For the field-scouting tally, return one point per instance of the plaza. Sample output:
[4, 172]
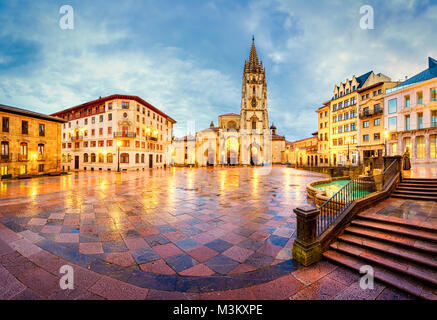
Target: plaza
[176, 233]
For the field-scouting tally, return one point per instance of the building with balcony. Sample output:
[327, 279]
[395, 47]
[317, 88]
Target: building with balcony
[324, 130]
[371, 121]
[30, 142]
[411, 116]
[345, 126]
[118, 132]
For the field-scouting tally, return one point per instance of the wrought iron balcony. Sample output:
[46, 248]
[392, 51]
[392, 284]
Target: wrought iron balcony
[151, 138]
[23, 157]
[6, 157]
[365, 114]
[76, 138]
[124, 134]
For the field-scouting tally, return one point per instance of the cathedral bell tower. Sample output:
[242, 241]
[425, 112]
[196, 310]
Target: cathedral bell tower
[254, 115]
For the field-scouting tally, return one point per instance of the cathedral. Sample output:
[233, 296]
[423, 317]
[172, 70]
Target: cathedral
[238, 139]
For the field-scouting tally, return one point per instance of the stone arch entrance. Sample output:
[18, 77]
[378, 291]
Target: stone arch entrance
[232, 150]
[255, 152]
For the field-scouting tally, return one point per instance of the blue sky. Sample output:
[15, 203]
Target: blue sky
[186, 57]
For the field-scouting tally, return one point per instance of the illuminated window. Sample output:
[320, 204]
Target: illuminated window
[420, 147]
[433, 142]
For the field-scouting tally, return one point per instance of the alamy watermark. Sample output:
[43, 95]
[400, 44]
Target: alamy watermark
[67, 19]
[67, 280]
[367, 281]
[367, 21]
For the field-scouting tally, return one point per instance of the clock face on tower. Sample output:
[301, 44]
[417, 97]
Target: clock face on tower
[254, 103]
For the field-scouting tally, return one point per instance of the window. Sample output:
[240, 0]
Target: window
[321, 114]
[407, 144]
[109, 158]
[109, 130]
[109, 116]
[407, 123]
[24, 127]
[407, 101]
[109, 143]
[392, 105]
[353, 127]
[93, 120]
[365, 124]
[376, 136]
[392, 123]
[41, 167]
[254, 125]
[142, 158]
[5, 150]
[125, 105]
[433, 142]
[137, 158]
[375, 93]
[352, 101]
[124, 158]
[23, 151]
[93, 157]
[434, 118]
[377, 108]
[86, 121]
[394, 149]
[85, 157]
[420, 147]
[434, 94]
[420, 120]
[41, 149]
[101, 158]
[100, 131]
[377, 122]
[419, 97]
[366, 137]
[4, 170]
[110, 106]
[5, 124]
[101, 118]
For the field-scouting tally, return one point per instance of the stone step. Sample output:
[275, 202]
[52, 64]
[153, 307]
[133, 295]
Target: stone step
[413, 197]
[403, 230]
[392, 249]
[398, 221]
[416, 192]
[432, 190]
[418, 180]
[419, 272]
[416, 185]
[401, 240]
[393, 279]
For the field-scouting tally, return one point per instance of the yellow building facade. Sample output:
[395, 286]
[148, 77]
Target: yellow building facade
[345, 126]
[324, 130]
[30, 142]
[371, 116]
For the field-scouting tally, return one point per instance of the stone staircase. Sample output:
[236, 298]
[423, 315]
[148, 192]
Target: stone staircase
[402, 253]
[416, 189]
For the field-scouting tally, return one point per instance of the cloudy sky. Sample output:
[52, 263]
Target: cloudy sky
[186, 57]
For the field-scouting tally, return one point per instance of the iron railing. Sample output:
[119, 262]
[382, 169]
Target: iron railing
[339, 202]
[124, 134]
[391, 171]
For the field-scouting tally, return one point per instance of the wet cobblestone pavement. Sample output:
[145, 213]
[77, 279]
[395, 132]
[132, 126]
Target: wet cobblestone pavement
[173, 233]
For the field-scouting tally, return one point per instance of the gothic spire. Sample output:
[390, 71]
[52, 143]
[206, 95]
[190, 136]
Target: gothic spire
[253, 64]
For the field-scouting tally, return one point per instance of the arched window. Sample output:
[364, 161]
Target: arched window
[109, 158]
[254, 125]
[64, 158]
[142, 158]
[137, 158]
[101, 158]
[124, 158]
[93, 157]
[23, 150]
[5, 150]
[85, 157]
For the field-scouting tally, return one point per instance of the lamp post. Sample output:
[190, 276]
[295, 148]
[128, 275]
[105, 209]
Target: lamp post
[297, 151]
[118, 155]
[348, 140]
[385, 142]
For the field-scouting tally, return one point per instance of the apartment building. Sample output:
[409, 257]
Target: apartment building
[345, 129]
[324, 130]
[30, 142]
[411, 116]
[117, 132]
[371, 118]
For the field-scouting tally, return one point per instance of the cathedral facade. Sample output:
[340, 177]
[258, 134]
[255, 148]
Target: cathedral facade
[238, 139]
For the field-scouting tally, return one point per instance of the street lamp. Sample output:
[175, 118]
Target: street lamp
[118, 155]
[297, 150]
[385, 142]
[348, 140]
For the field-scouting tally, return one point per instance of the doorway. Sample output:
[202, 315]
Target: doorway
[76, 162]
[150, 161]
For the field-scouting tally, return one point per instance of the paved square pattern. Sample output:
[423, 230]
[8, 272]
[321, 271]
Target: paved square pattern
[155, 227]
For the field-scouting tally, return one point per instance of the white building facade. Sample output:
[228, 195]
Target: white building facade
[115, 133]
[411, 117]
